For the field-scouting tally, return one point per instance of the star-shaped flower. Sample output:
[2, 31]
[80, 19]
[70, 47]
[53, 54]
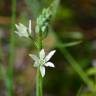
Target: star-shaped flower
[41, 61]
[22, 30]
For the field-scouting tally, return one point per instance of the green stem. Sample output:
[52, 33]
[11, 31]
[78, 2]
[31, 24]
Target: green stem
[9, 81]
[39, 83]
[39, 79]
[1, 51]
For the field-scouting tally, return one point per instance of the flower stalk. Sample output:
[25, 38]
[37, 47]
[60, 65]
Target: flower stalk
[41, 28]
[39, 83]
[39, 79]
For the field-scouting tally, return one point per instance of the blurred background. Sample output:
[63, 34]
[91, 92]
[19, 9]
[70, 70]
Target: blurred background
[75, 21]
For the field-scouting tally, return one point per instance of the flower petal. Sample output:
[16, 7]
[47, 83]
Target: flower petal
[18, 33]
[36, 64]
[42, 70]
[34, 57]
[47, 58]
[42, 54]
[49, 64]
[21, 30]
[17, 26]
[29, 27]
[22, 26]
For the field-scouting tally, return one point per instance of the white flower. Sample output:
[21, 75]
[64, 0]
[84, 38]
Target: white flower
[42, 60]
[22, 30]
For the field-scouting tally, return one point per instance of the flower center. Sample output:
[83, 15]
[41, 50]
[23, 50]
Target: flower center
[41, 62]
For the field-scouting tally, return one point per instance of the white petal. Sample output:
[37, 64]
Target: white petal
[18, 33]
[42, 54]
[30, 26]
[17, 26]
[21, 30]
[21, 26]
[47, 58]
[34, 57]
[21, 34]
[49, 64]
[36, 64]
[42, 70]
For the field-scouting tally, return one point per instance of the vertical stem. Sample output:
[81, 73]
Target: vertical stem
[9, 81]
[39, 79]
[38, 83]
[1, 52]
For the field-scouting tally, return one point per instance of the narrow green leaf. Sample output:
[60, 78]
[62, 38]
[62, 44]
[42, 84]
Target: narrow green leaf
[91, 71]
[69, 44]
